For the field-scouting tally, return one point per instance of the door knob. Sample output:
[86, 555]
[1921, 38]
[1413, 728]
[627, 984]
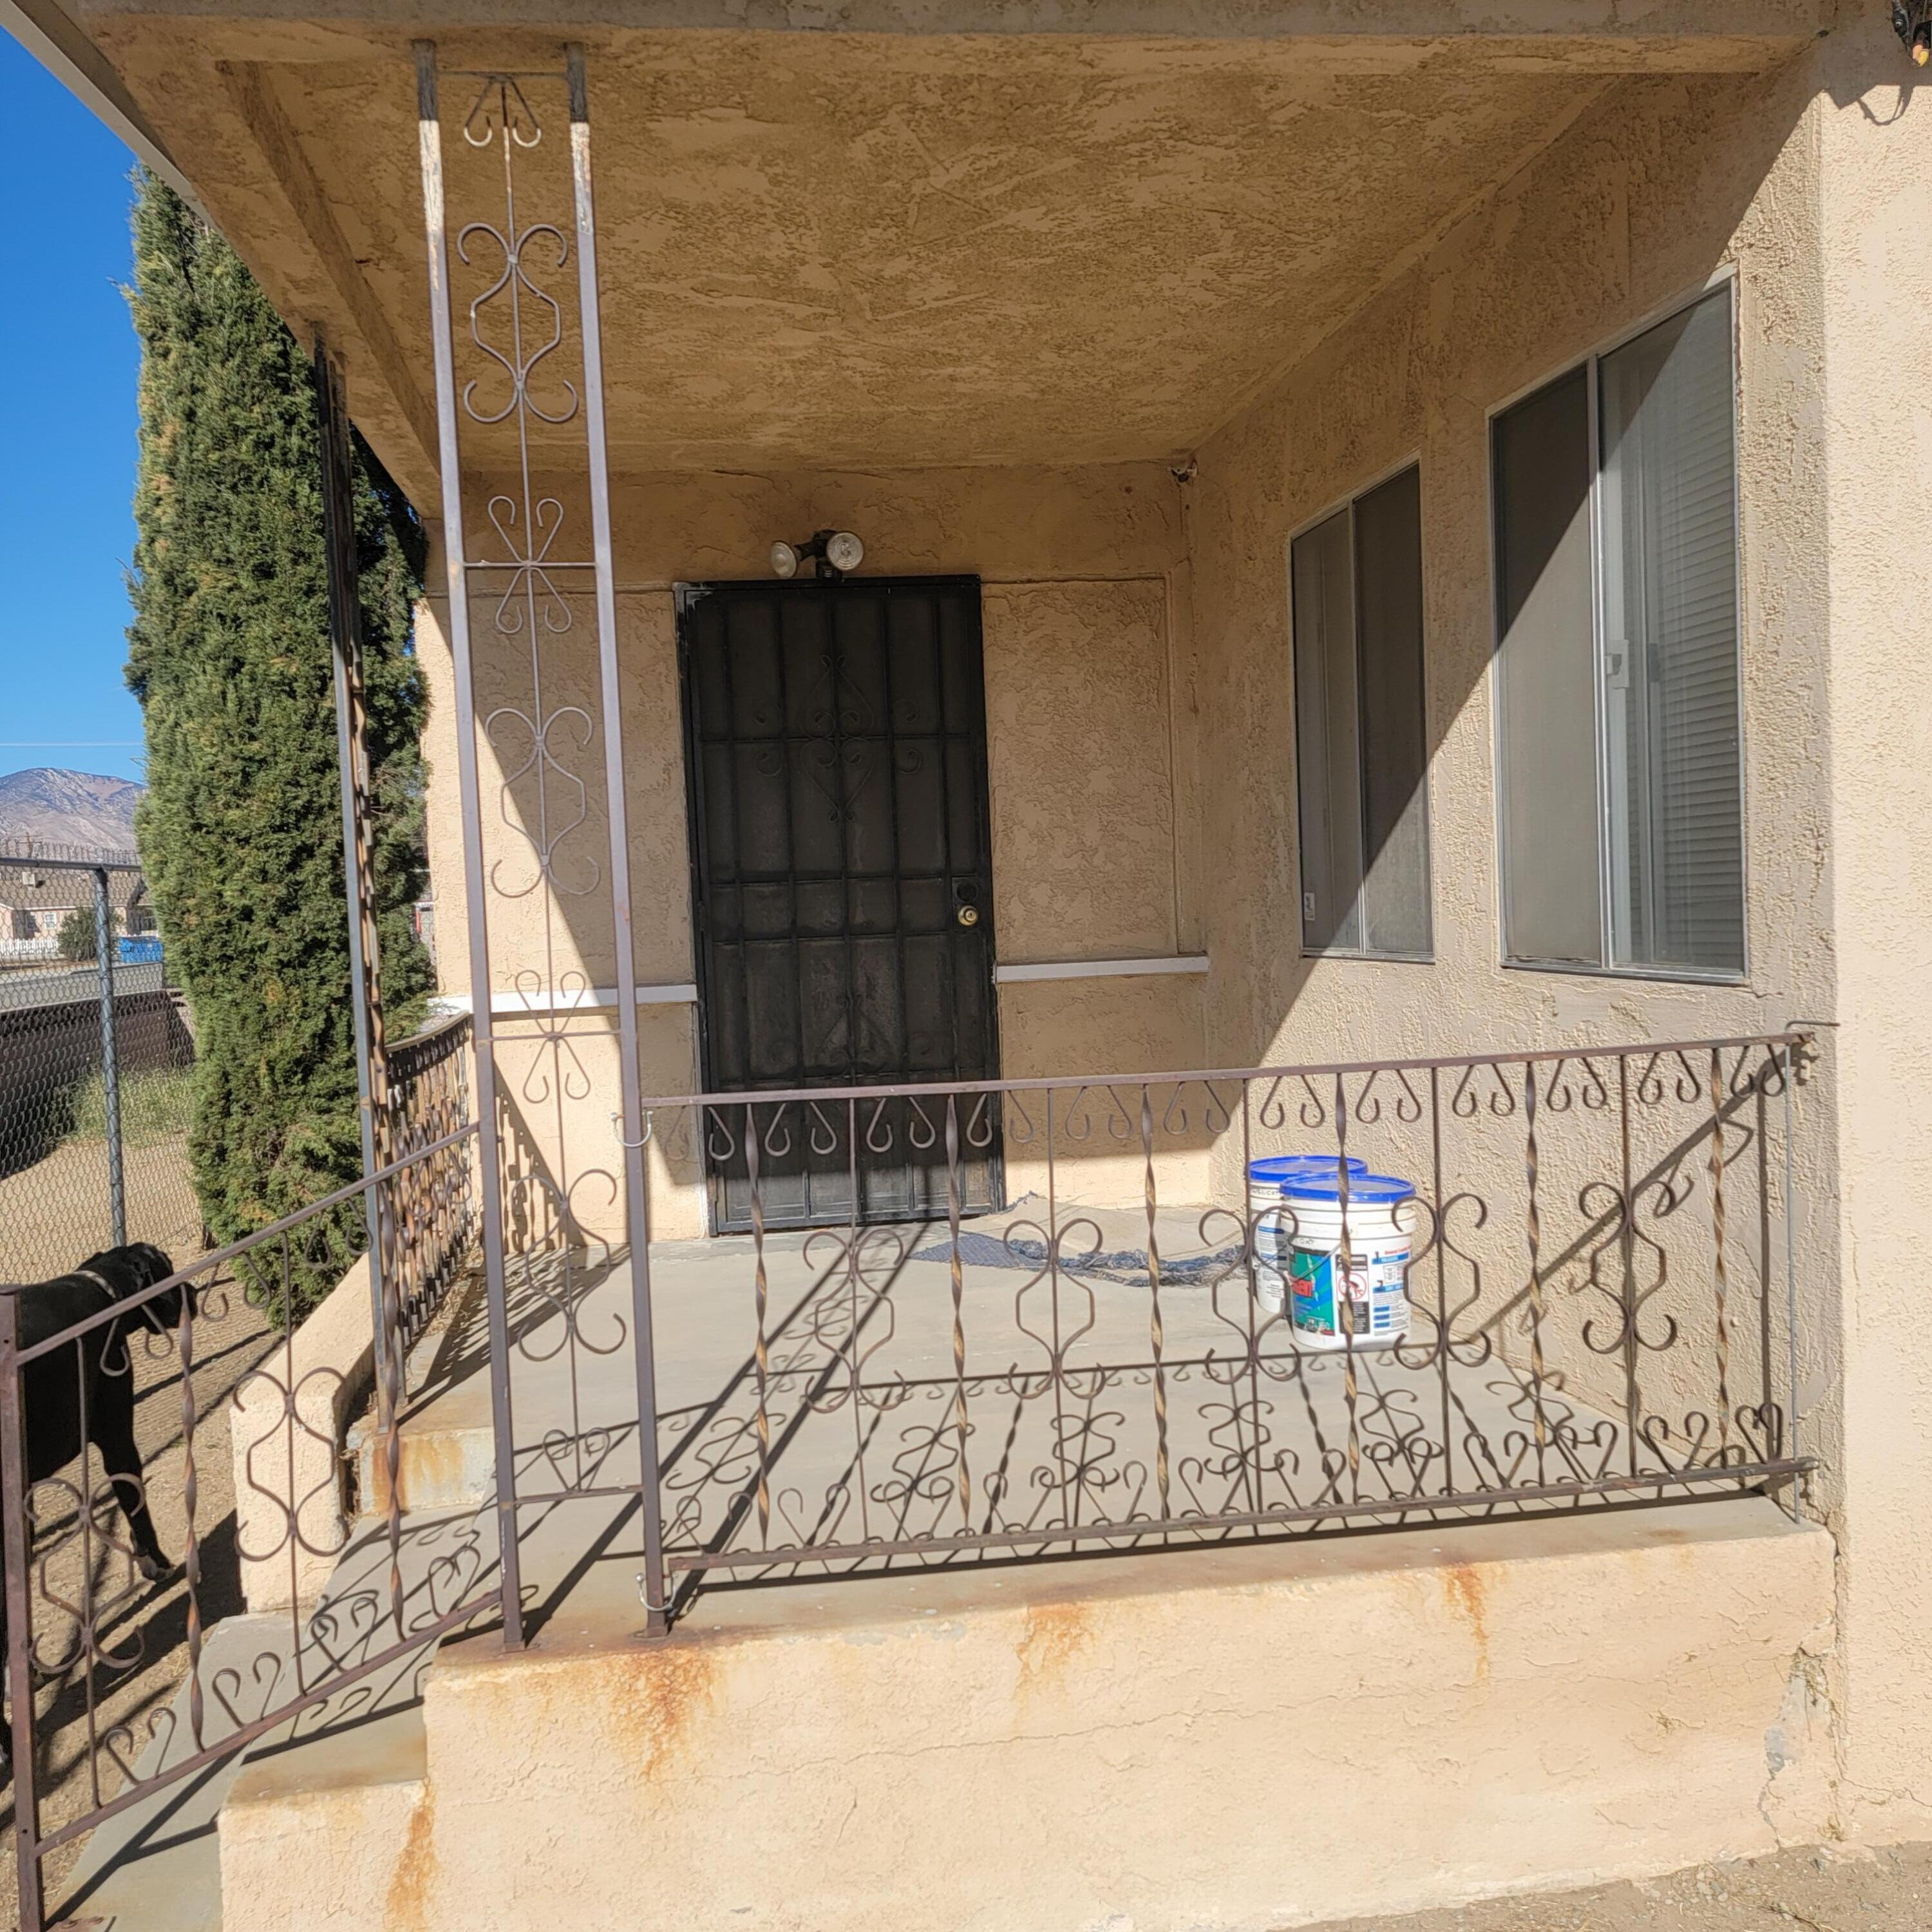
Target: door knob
[969, 915]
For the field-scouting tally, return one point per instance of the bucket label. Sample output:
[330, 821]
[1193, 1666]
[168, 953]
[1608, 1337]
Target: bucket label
[1373, 1295]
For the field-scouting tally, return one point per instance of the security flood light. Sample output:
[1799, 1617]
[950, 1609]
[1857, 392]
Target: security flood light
[831, 553]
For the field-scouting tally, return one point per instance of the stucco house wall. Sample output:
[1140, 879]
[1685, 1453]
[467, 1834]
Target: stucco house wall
[1091, 774]
[1662, 186]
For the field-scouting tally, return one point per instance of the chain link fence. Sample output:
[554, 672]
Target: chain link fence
[97, 1058]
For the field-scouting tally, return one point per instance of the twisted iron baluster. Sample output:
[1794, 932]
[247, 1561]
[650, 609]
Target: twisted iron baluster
[191, 1491]
[1533, 1226]
[289, 1454]
[1722, 1281]
[958, 1303]
[89, 1649]
[389, 1346]
[761, 1292]
[1156, 1328]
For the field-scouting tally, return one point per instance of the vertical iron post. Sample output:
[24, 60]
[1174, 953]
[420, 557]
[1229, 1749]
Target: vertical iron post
[429, 133]
[17, 1536]
[637, 1204]
[1792, 1450]
[345, 632]
[353, 783]
[110, 1064]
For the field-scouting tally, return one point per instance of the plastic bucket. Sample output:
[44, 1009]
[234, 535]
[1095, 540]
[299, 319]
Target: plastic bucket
[1359, 1296]
[1275, 1171]
[1270, 1179]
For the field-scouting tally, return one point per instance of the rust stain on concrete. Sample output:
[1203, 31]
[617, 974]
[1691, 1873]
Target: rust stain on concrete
[406, 1907]
[1055, 1634]
[1462, 1587]
[665, 1687]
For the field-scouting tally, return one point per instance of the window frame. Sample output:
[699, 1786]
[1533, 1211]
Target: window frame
[1726, 279]
[1337, 506]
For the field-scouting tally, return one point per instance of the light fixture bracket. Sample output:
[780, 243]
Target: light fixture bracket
[1912, 21]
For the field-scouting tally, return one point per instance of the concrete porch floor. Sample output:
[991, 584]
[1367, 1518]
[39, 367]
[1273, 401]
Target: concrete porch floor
[864, 1397]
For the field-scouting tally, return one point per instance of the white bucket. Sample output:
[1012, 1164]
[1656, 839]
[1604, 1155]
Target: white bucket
[1270, 1180]
[1372, 1309]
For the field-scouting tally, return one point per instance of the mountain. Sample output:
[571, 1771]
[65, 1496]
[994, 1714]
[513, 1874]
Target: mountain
[59, 808]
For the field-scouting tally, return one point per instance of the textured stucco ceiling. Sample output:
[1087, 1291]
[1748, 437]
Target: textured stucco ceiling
[825, 249]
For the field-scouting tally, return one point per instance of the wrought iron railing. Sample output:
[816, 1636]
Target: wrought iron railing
[429, 1085]
[1061, 1314]
[126, 1670]
[1053, 1316]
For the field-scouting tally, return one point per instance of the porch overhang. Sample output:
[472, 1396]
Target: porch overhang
[924, 232]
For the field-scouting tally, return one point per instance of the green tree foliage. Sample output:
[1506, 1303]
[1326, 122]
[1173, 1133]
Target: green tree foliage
[76, 937]
[240, 830]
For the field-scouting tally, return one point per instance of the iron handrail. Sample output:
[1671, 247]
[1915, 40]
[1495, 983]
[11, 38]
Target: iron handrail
[1308, 1069]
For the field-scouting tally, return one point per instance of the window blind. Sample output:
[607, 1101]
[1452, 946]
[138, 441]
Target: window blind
[1395, 752]
[1546, 684]
[1670, 646]
[1619, 751]
[1326, 736]
[1361, 731]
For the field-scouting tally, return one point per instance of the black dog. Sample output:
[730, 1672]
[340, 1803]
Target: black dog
[98, 1366]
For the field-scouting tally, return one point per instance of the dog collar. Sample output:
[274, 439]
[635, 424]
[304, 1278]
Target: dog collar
[145, 1312]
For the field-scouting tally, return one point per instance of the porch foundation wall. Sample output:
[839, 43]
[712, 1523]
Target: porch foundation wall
[1241, 1738]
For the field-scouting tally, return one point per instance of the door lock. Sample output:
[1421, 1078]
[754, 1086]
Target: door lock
[969, 915]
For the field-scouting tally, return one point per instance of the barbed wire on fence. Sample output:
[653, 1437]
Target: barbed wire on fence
[25, 851]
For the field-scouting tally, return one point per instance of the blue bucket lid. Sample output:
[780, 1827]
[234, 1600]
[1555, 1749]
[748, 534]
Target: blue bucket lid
[1385, 1189]
[1279, 1170]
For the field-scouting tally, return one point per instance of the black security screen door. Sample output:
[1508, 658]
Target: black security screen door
[835, 737]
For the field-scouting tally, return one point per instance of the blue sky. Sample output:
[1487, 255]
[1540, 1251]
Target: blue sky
[68, 370]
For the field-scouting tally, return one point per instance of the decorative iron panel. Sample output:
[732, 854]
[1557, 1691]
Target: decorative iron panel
[842, 884]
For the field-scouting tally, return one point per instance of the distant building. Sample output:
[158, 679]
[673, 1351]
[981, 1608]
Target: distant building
[34, 903]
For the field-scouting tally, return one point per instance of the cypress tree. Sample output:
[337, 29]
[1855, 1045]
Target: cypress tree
[240, 829]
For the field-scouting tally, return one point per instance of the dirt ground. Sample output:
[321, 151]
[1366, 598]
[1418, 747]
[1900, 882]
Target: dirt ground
[1821, 1889]
[55, 1213]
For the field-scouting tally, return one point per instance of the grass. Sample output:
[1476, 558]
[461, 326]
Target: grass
[155, 1106]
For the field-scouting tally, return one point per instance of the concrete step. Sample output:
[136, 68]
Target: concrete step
[343, 1807]
[350, 1764]
[156, 1867]
[446, 1460]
